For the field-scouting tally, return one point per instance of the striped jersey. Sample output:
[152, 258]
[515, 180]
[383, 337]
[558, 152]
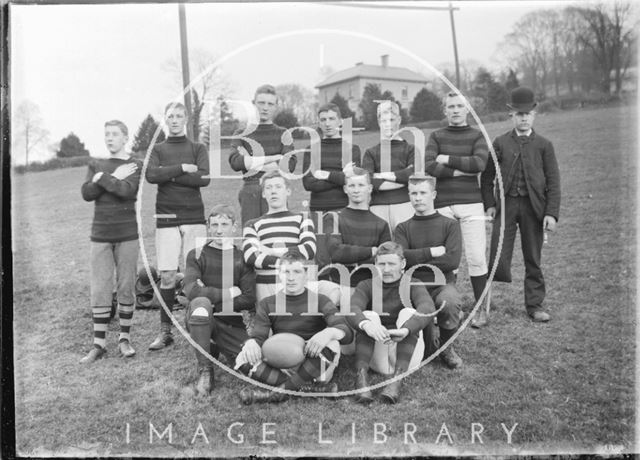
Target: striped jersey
[280, 229]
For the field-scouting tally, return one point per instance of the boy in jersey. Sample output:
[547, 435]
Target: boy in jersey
[389, 200]
[323, 335]
[456, 155]
[112, 184]
[254, 164]
[179, 167]
[208, 268]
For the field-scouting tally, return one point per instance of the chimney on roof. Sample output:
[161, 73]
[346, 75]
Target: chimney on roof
[384, 60]
[358, 63]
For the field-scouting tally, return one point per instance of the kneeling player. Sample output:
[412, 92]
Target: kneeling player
[323, 332]
[208, 267]
[400, 324]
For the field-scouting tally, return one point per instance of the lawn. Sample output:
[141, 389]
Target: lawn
[568, 385]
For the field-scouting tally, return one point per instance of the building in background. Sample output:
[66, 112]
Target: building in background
[403, 83]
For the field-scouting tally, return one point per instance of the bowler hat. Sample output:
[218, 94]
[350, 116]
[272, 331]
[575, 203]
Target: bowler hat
[522, 100]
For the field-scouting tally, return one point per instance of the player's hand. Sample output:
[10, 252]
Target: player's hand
[320, 174]
[374, 251]
[491, 212]
[235, 291]
[398, 335]
[348, 169]
[189, 168]
[96, 177]
[199, 282]
[442, 159]
[438, 251]
[252, 351]
[377, 332]
[458, 173]
[315, 344]
[124, 170]
[549, 223]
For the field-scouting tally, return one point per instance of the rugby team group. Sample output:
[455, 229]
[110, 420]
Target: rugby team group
[369, 270]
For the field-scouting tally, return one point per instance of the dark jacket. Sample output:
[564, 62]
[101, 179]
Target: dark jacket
[540, 169]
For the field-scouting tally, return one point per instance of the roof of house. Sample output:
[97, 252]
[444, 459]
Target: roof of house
[373, 71]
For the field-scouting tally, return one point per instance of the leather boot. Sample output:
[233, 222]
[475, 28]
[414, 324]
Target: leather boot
[391, 393]
[164, 339]
[249, 396]
[362, 381]
[205, 380]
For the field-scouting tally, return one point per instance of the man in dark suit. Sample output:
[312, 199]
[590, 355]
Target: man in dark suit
[531, 198]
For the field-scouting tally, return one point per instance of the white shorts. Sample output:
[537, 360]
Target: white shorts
[170, 240]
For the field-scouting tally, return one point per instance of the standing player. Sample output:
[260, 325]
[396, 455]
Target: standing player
[326, 184]
[455, 155]
[323, 334]
[268, 237]
[179, 166]
[204, 284]
[399, 323]
[113, 184]
[389, 200]
[243, 158]
[532, 198]
[431, 238]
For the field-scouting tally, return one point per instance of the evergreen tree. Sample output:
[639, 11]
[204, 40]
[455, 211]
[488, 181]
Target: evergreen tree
[512, 81]
[71, 146]
[145, 134]
[286, 118]
[343, 105]
[369, 107]
[426, 106]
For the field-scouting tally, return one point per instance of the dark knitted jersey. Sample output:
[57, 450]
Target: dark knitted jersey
[114, 217]
[328, 194]
[208, 264]
[284, 229]
[306, 326]
[178, 201]
[363, 299]
[402, 164]
[358, 231]
[269, 136]
[420, 233]
[468, 152]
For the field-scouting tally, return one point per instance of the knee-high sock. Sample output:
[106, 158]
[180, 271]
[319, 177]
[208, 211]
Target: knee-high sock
[446, 334]
[101, 318]
[168, 295]
[478, 284]
[125, 313]
[265, 374]
[310, 369]
[200, 330]
[364, 350]
[404, 352]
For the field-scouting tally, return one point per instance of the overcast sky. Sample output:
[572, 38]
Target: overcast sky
[85, 64]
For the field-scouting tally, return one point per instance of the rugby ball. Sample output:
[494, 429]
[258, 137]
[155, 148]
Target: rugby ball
[283, 350]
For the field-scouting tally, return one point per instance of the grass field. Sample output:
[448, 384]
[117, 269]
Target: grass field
[568, 384]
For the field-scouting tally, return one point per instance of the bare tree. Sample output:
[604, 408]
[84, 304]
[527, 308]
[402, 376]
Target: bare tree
[611, 37]
[210, 88]
[299, 100]
[28, 127]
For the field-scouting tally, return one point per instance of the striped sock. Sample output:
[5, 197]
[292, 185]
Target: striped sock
[267, 374]
[101, 318]
[309, 370]
[125, 312]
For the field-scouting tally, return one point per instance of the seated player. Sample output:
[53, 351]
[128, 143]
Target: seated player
[323, 334]
[113, 184]
[398, 323]
[205, 288]
[389, 200]
[431, 238]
